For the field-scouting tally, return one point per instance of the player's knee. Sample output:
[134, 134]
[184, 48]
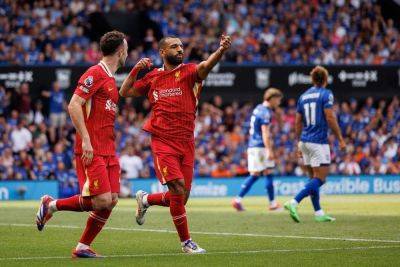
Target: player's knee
[103, 202]
[177, 187]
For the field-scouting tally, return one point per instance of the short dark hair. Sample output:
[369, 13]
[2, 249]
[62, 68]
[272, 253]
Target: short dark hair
[163, 40]
[110, 42]
[319, 76]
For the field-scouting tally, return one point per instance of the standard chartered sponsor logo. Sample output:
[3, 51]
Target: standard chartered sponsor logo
[111, 106]
[170, 92]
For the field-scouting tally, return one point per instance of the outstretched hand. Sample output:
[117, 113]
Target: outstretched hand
[225, 43]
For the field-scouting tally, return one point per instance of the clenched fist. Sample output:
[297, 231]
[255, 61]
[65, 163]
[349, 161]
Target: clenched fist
[225, 43]
[144, 63]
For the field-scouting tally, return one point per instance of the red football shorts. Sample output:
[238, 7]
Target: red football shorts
[173, 160]
[101, 176]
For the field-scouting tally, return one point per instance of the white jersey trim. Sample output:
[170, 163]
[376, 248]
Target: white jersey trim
[105, 68]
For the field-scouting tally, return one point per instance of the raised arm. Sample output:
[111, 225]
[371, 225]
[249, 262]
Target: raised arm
[333, 124]
[206, 66]
[128, 89]
[77, 117]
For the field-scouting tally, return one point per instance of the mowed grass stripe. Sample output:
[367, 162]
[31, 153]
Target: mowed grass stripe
[348, 239]
[214, 253]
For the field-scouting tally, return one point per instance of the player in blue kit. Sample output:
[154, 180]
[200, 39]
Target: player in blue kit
[260, 154]
[314, 115]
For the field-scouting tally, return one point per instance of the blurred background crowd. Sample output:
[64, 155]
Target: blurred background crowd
[36, 138]
[268, 31]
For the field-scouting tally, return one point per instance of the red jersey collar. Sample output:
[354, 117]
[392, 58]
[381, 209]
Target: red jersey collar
[105, 68]
[162, 68]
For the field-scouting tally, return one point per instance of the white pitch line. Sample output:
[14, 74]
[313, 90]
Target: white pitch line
[211, 253]
[350, 239]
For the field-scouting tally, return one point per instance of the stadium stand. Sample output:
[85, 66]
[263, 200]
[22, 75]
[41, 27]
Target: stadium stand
[278, 32]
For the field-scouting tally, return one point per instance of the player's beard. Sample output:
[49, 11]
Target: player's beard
[174, 60]
[121, 62]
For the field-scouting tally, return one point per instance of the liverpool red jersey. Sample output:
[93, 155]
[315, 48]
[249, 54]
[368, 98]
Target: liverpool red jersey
[97, 86]
[173, 95]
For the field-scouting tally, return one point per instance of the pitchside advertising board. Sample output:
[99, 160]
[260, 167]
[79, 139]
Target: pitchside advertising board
[226, 187]
[26, 190]
[284, 186]
[233, 82]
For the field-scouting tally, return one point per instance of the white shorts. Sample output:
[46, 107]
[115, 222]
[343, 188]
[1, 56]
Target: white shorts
[315, 154]
[58, 119]
[257, 159]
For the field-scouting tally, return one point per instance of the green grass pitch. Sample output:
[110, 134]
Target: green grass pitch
[366, 233]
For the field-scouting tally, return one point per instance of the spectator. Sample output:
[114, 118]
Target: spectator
[22, 101]
[21, 137]
[349, 166]
[57, 105]
[131, 163]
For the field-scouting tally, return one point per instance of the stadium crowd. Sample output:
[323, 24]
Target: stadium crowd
[276, 32]
[37, 143]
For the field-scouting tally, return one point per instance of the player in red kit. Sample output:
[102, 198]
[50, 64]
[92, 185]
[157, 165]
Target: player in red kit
[173, 91]
[93, 109]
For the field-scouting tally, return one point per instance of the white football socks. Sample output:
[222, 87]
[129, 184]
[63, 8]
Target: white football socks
[53, 206]
[294, 202]
[81, 246]
[319, 213]
[144, 201]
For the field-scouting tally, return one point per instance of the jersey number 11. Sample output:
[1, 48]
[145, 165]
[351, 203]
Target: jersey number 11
[309, 112]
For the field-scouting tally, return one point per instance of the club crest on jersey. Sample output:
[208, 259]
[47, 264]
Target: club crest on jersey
[88, 81]
[177, 75]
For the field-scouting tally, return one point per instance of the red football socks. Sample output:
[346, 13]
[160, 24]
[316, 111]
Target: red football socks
[75, 203]
[159, 199]
[178, 213]
[94, 224]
